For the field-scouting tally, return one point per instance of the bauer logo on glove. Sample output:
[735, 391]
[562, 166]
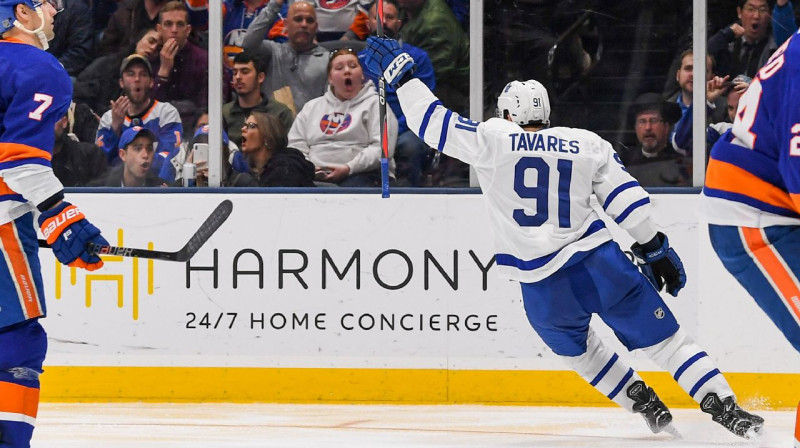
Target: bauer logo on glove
[64, 219]
[69, 234]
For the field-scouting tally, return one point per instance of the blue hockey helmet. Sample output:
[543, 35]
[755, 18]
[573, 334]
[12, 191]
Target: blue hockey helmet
[7, 16]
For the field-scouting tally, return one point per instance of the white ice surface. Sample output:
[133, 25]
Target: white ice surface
[282, 425]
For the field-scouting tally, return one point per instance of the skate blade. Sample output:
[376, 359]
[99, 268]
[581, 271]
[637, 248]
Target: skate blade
[754, 433]
[671, 430]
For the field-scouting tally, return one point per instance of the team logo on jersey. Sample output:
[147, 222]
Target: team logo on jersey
[334, 123]
[333, 4]
[659, 313]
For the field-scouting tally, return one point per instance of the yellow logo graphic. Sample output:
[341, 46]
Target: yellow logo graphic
[118, 278]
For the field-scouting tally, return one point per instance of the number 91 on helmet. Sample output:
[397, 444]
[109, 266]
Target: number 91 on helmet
[526, 102]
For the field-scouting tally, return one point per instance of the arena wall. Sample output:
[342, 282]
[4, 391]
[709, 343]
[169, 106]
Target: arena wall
[354, 298]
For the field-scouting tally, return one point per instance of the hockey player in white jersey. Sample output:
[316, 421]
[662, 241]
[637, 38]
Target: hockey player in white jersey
[538, 182]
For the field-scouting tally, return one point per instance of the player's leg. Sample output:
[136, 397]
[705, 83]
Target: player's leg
[23, 342]
[766, 263]
[555, 311]
[641, 320]
[24, 346]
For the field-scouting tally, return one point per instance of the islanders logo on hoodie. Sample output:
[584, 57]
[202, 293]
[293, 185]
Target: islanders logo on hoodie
[334, 123]
[333, 4]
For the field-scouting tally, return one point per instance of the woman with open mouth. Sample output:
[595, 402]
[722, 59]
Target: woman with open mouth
[339, 132]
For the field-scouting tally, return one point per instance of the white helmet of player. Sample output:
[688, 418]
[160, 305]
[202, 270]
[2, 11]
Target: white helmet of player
[526, 102]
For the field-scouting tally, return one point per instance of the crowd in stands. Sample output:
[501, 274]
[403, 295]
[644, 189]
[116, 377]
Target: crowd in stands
[300, 110]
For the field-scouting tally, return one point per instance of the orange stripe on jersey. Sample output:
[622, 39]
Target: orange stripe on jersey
[774, 268]
[13, 40]
[728, 177]
[18, 267]
[16, 399]
[16, 151]
[5, 189]
[144, 117]
[796, 199]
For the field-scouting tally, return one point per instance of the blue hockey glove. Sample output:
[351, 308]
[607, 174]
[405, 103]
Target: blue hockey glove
[385, 57]
[660, 264]
[68, 232]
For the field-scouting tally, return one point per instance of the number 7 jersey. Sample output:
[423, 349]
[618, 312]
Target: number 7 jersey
[753, 175]
[35, 92]
[537, 185]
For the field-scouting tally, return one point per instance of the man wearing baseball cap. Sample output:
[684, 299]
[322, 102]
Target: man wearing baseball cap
[136, 153]
[655, 163]
[136, 107]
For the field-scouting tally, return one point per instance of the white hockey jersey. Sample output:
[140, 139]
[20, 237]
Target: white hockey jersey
[537, 185]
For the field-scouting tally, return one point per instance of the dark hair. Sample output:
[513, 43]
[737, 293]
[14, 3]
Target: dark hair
[740, 3]
[137, 37]
[245, 57]
[272, 130]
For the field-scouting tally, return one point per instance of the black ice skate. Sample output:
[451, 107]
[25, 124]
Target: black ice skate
[654, 411]
[728, 414]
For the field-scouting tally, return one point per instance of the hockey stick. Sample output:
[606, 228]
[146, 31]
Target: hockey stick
[384, 118]
[212, 223]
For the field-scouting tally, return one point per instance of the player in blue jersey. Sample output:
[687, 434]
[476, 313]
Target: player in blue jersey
[35, 92]
[752, 191]
[538, 182]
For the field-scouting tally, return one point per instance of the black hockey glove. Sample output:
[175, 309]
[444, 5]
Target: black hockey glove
[660, 264]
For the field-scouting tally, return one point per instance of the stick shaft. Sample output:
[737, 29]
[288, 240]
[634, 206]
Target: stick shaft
[383, 116]
[211, 224]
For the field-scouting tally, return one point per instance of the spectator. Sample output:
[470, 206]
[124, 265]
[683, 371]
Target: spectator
[340, 131]
[411, 153]
[296, 70]
[460, 9]
[742, 48]
[83, 122]
[685, 79]
[431, 26]
[271, 162]
[237, 15]
[248, 74]
[73, 44]
[682, 139]
[137, 108]
[98, 84]
[182, 67]
[342, 19]
[137, 149]
[201, 137]
[76, 164]
[131, 18]
[656, 163]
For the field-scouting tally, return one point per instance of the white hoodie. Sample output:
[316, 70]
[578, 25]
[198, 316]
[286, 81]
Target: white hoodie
[329, 131]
